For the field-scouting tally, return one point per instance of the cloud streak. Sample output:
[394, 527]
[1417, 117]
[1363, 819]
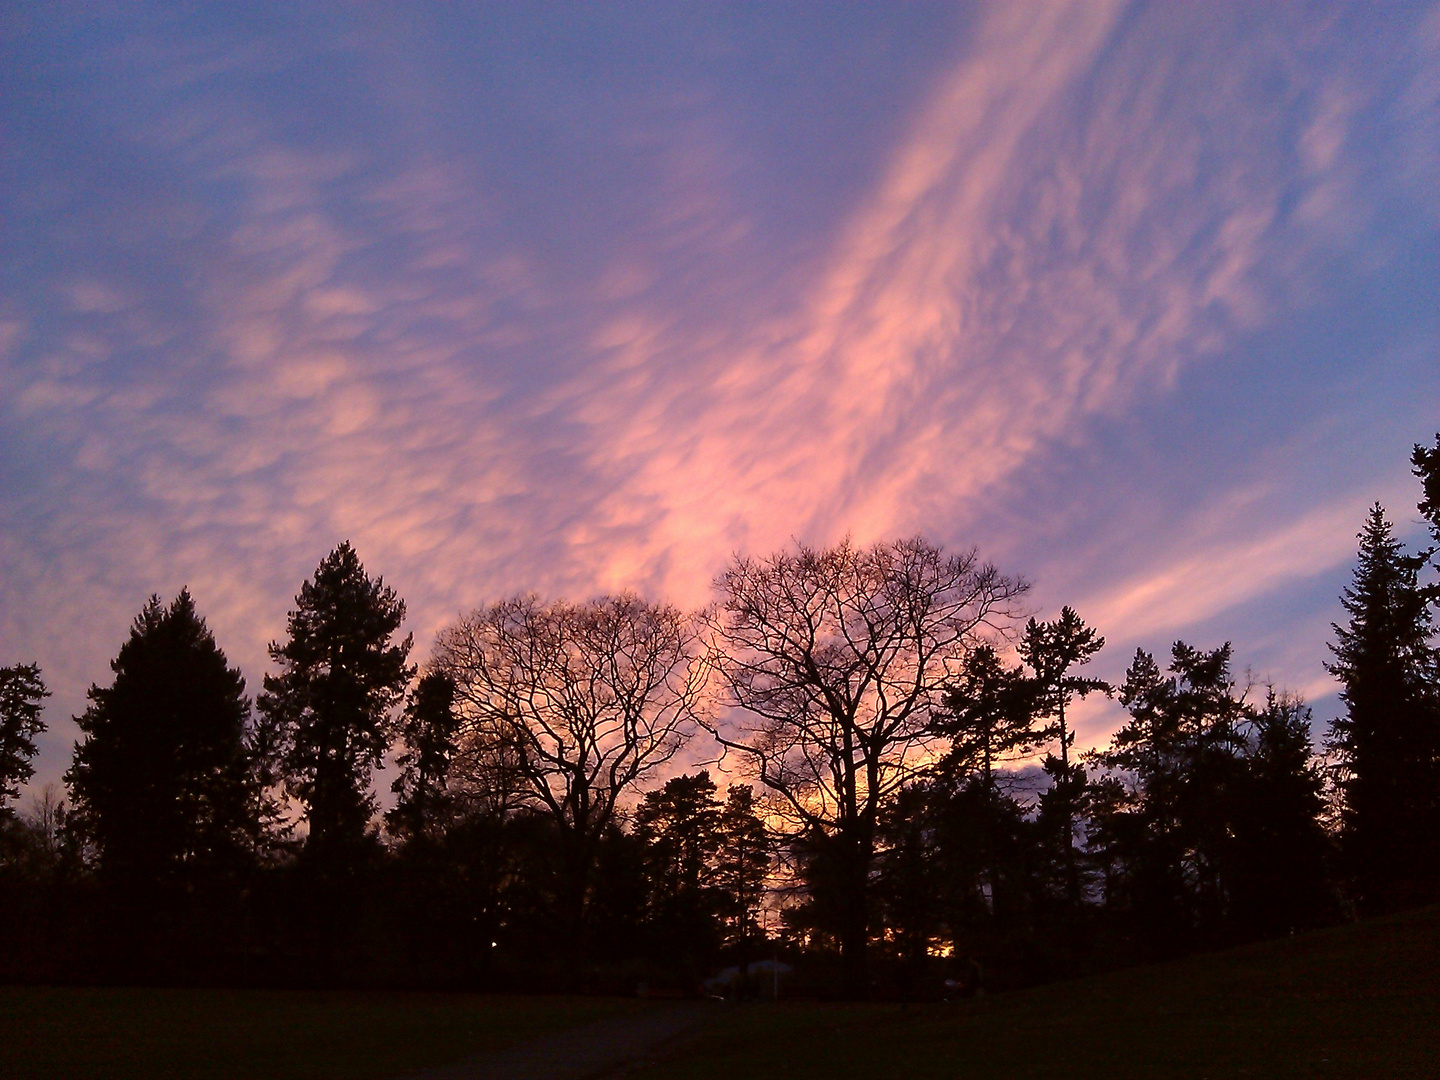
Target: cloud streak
[276, 327]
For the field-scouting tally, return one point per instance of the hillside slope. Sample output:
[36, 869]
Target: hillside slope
[1353, 1001]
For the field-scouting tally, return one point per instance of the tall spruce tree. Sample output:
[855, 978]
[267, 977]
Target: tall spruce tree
[424, 802]
[1052, 649]
[340, 676]
[988, 716]
[1206, 822]
[741, 867]
[162, 784]
[1278, 866]
[680, 828]
[1388, 741]
[1426, 462]
[21, 693]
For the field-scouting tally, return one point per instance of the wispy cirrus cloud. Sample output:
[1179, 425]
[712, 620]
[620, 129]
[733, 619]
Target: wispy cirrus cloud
[271, 325]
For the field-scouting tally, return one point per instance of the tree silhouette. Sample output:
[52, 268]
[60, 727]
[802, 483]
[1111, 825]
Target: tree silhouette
[988, 716]
[425, 802]
[21, 694]
[742, 866]
[1278, 872]
[579, 703]
[1206, 823]
[329, 707]
[836, 660]
[1388, 741]
[1052, 649]
[1426, 463]
[680, 827]
[161, 784]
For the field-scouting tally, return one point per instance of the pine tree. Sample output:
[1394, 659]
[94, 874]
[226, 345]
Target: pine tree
[1388, 741]
[1426, 463]
[428, 729]
[680, 828]
[21, 693]
[340, 677]
[1051, 650]
[1164, 818]
[1277, 877]
[987, 715]
[162, 784]
[741, 867]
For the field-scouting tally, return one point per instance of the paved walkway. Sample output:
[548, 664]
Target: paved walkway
[595, 1050]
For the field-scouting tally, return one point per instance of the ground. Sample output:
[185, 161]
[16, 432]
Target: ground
[1357, 1001]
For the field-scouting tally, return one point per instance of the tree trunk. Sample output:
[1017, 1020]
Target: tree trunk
[855, 855]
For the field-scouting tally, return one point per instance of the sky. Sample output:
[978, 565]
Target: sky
[1143, 300]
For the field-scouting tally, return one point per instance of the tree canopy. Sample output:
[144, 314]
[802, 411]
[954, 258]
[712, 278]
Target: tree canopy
[328, 710]
[22, 692]
[162, 783]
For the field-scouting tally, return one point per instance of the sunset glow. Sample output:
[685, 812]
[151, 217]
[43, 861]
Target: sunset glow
[1141, 299]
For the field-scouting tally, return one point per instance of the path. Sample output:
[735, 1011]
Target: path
[595, 1050]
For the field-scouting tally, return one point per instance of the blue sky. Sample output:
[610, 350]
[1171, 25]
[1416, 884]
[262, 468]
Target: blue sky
[1141, 299]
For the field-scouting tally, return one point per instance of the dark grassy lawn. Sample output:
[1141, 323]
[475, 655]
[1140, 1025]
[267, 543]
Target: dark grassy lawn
[274, 1035]
[1355, 1001]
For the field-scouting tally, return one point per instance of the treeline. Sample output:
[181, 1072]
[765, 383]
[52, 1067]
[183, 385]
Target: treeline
[913, 816]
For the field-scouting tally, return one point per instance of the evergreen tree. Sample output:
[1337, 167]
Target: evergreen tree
[1051, 650]
[1388, 741]
[988, 715]
[1207, 822]
[1426, 462]
[162, 782]
[741, 867]
[910, 890]
[21, 692]
[680, 828]
[1278, 879]
[329, 707]
[425, 802]
[1162, 819]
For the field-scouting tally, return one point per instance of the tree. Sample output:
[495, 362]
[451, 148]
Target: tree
[909, 889]
[1278, 872]
[328, 709]
[680, 828]
[836, 660]
[1426, 462]
[425, 801]
[988, 716]
[1388, 741]
[1052, 649]
[162, 782]
[21, 694]
[1207, 822]
[581, 701]
[742, 866]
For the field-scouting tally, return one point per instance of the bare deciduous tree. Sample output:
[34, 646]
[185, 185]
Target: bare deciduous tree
[581, 701]
[835, 659]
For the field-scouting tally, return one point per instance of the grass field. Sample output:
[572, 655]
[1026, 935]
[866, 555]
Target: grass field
[1356, 1001]
[266, 1035]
